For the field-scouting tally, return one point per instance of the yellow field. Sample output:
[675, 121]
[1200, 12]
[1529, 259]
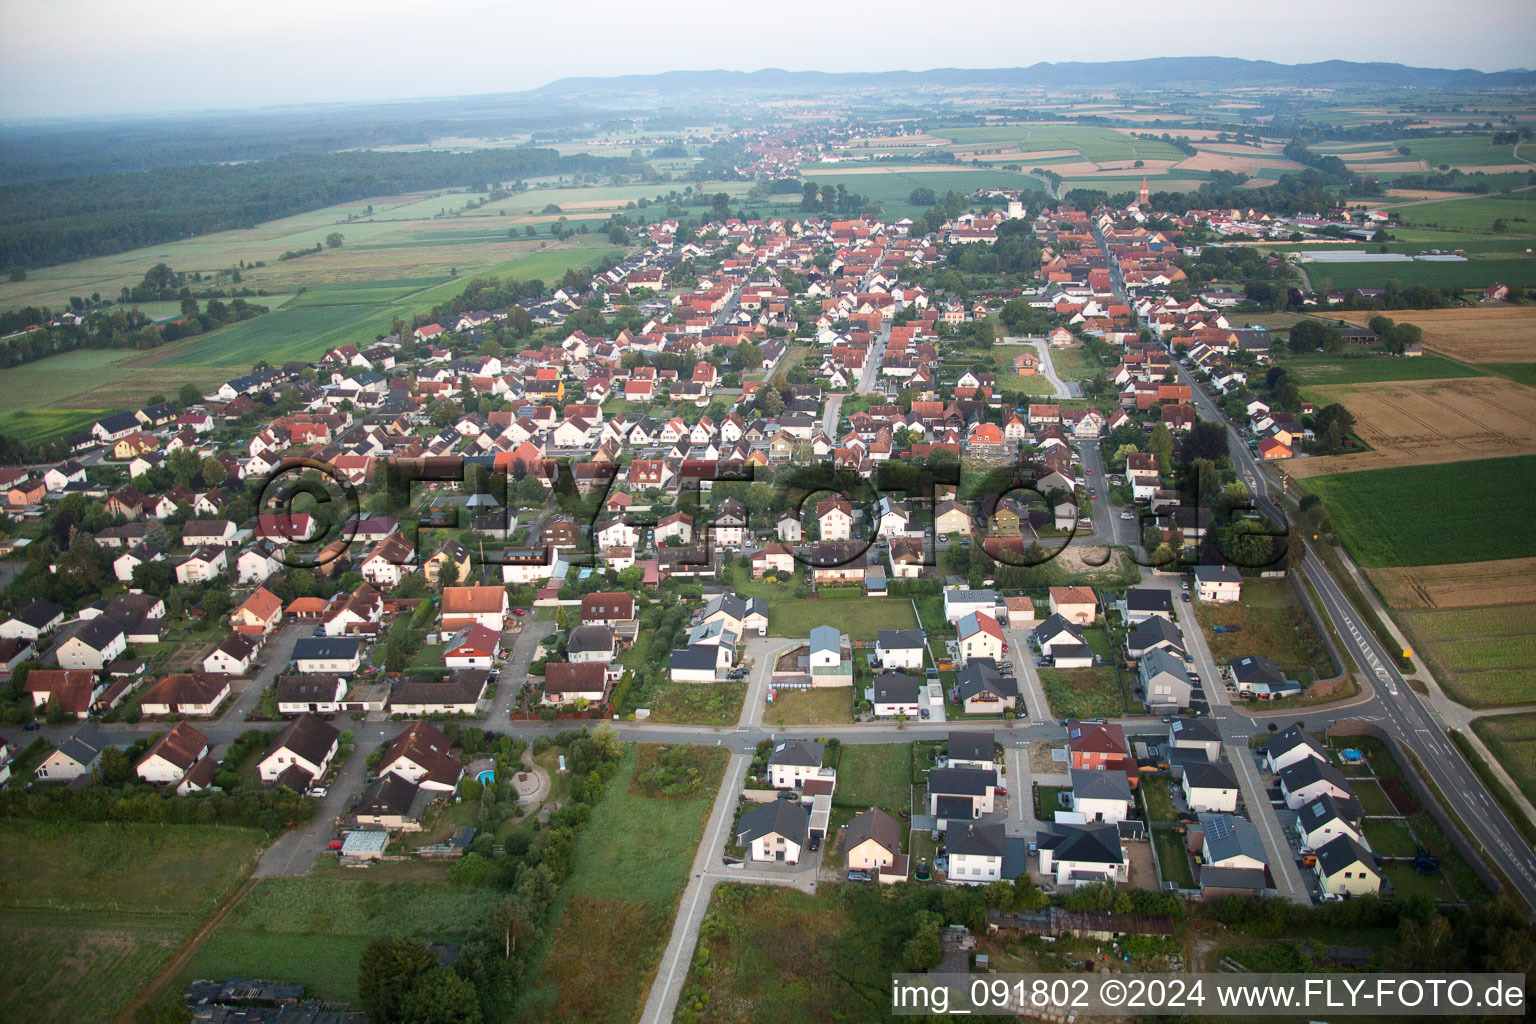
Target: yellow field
[1479, 334]
[1412, 423]
[1459, 585]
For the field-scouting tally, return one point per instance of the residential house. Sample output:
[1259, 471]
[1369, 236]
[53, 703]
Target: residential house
[1100, 746]
[792, 762]
[328, 655]
[1290, 746]
[976, 858]
[774, 831]
[171, 756]
[984, 690]
[1210, 787]
[75, 757]
[68, 690]
[1164, 680]
[1218, 583]
[1308, 779]
[1321, 820]
[1075, 604]
[872, 843]
[1345, 868]
[960, 794]
[900, 648]
[473, 647]
[459, 694]
[300, 755]
[466, 606]
[565, 683]
[980, 636]
[894, 695]
[185, 693]
[322, 695]
[1074, 855]
[1100, 796]
[91, 644]
[423, 754]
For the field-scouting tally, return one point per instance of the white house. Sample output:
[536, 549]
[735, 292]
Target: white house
[774, 831]
[1075, 855]
[1100, 796]
[326, 655]
[302, 752]
[900, 648]
[1210, 787]
[173, 755]
[1220, 583]
[792, 762]
[976, 858]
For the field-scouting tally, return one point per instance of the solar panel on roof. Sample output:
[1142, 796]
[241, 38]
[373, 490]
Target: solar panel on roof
[1218, 829]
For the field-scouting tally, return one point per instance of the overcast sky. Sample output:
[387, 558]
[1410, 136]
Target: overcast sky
[64, 57]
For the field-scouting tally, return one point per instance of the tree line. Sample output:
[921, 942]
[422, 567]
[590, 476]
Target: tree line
[43, 223]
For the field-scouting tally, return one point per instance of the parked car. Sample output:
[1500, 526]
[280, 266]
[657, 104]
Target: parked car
[922, 713]
[815, 843]
[1185, 596]
[31, 727]
[1001, 790]
[519, 612]
[1127, 515]
[860, 876]
[1034, 848]
[334, 844]
[318, 791]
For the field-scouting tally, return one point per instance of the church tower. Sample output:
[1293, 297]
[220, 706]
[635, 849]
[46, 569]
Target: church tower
[1144, 198]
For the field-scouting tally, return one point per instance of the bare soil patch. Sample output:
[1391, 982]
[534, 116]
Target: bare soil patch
[1459, 585]
[1206, 160]
[1413, 423]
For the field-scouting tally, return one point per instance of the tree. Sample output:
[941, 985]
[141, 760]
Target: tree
[440, 997]
[605, 740]
[386, 974]
[214, 472]
[190, 394]
[333, 240]
[1161, 444]
[923, 950]
[184, 465]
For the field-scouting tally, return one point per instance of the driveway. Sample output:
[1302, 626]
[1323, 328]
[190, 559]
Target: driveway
[275, 656]
[763, 652]
[514, 670]
[296, 852]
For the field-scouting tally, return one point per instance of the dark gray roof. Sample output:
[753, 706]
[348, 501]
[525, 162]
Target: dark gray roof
[803, 753]
[1309, 770]
[900, 639]
[1290, 737]
[326, 648]
[1091, 844]
[980, 841]
[1316, 813]
[590, 638]
[1057, 623]
[971, 782]
[1194, 730]
[307, 736]
[1148, 599]
[699, 656]
[896, 688]
[981, 675]
[1215, 775]
[1152, 631]
[1092, 784]
[1256, 669]
[39, 613]
[390, 794]
[972, 746]
[1214, 877]
[1218, 574]
[787, 818]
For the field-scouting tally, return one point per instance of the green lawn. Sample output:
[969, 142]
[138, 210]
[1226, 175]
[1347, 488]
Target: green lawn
[1461, 151]
[1373, 799]
[696, 703]
[1273, 624]
[1474, 272]
[1050, 800]
[1472, 214]
[1172, 859]
[1159, 801]
[1368, 369]
[826, 705]
[312, 930]
[1456, 512]
[1408, 883]
[631, 865]
[1390, 838]
[108, 902]
[874, 775]
[1083, 692]
[857, 617]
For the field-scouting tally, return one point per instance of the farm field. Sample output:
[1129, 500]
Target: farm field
[106, 901]
[312, 930]
[891, 185]
[1525, 373]
[1472, 214]
[1480, 334]
[1273, 624]
[1474, 272]
[1459, 585]
[1465, 511]
[63, 393]
[631, 866]
[1484, 657]
[1371, 369]
[1416, 423]
[1465, 151]
[1512, 740]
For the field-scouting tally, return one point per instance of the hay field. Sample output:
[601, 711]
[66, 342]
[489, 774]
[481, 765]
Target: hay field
[1415, 423]
[1460, 585]
[1479, 334]
[1250, 162]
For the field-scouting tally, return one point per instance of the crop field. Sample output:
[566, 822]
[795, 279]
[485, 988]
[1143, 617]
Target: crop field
[64, 393]
[891, 186]
[1100, 145]
[1371, 369]
[1474, 272]
[1472, 214]
[1464, 151]
[1460, 585]
[1512, 739]
[1480, 334]
[1484, 657]
[107, 902]
[1414, 423]
[1429, 515]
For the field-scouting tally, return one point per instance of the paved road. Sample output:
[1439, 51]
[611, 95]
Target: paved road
[296, 852]
[1048, 370]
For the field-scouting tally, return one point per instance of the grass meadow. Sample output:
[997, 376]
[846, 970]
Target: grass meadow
[1475, 272]
[1429, 515]
[1512, 739]
[108, 903]
[632, 864]
[1369, 369]
[874, 775]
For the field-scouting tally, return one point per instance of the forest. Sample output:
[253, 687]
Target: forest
[43, 223]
